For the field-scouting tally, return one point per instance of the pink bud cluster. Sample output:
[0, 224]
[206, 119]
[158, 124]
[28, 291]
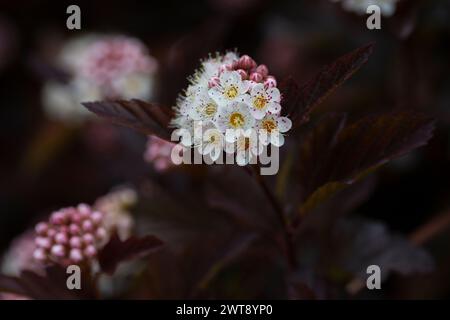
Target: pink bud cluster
[70, 236]
[249, 70]
[115, 57]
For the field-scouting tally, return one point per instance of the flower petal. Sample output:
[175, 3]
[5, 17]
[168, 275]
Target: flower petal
[274, 107]
[284, 124]
[257, 113]
[274, 95]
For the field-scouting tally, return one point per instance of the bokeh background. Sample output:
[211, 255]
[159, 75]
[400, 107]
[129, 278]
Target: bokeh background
[47, 164]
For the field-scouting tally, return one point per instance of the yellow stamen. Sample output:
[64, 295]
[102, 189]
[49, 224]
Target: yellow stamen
[259, 102]
[236, 120]
[269, 125]
[231, 92]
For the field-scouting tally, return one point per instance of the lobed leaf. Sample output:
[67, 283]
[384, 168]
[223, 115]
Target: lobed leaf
[299, 101]
[334, 155]
[117, 251]
[142, 116]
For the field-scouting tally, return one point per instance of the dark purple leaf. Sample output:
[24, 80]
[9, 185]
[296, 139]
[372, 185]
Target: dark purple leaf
[117, 251]
[51, 285]
[142, 116]
[334, 155]
[361, 243]
[299, 101]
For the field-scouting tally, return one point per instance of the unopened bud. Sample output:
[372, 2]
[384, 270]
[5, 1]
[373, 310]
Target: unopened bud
[256, 77]
[263, 70]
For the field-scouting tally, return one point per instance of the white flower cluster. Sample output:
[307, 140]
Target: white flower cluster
[99, 67]
[231, 100]
[387, 7]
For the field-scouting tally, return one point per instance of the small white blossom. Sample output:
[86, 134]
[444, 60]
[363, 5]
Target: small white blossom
[203, 107]
[271, 128]
[262, 100]
[212, 142]
[231, 88]
[234, 117]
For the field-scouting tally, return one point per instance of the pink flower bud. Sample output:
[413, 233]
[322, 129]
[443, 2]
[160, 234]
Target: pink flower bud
[76, 255]
[58, 218]
[75, 217]
[96, 217]
[58, 250]
[88, 238]
[39, 254]
[51, 232]
[84, 210]
[263, 70]
[43, 242]
[101, 233]
[225, 67]
[246, 63]
[75, 242]
[41, 228]
[74, 229]
[270, 82]
[90, 251]
[243, 74]
[87, 225]
[61, 238]
[214, 81]
[256, 77]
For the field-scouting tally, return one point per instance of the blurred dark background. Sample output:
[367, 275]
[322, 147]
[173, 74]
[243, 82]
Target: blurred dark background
[409, 69]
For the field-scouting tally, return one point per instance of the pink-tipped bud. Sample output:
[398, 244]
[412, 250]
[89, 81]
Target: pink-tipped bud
[51, 232]
[213, 82]
[41, 228]
[76, 255]
[61, 238]
[58, 218]
[243, 74]
[246, 63]
[75, 242]
[74, 229]
[58, 250]
[225, 67]
[87, 225]
[263, 70]
[270, 82]
[256, 77]
[88, 238]
[43, 242]
[39, 254]
[90, 251]
[76, 217]
[84, 209]
[101, 234]
[97, 217]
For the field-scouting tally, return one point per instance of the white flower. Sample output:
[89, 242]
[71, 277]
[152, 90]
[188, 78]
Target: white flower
[230, 88]
[202, 106]
[234, 117]
[246, 147]
[212, 142]
[271, 128]
[262, 100]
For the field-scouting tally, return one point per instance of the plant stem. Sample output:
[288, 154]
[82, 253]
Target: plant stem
[287, 230]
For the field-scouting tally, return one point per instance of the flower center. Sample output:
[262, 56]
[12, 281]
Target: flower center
[237, 120]
[269, 125]
[210, 109]
[259, 102]
[231, 92]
